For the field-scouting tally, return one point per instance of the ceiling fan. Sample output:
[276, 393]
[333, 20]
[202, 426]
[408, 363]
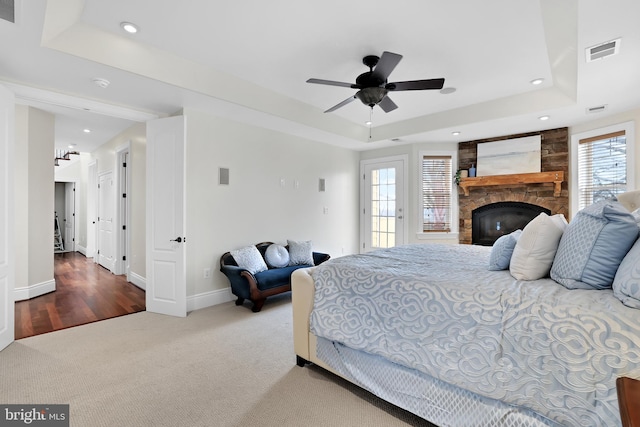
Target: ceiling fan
[373, 86]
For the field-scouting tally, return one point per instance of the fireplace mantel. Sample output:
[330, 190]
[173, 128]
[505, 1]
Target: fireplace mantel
[554, 177]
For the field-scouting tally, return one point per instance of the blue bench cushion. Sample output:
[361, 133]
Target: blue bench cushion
[276, 276]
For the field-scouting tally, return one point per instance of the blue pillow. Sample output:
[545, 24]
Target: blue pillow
[593, 246]
[626, 284]
[502, 250]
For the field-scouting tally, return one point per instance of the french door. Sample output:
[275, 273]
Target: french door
[383, 222]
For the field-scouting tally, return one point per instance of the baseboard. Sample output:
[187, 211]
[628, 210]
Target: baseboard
[137, 280]
[208, 299]
[82, 250]
[32, 291]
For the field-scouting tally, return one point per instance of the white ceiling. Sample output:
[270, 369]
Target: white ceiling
[249, 61]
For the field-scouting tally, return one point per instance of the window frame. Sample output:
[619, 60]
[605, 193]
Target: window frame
[574, 181]
[452, 234]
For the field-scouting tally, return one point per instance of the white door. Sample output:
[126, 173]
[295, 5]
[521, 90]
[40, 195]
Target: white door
[70, 216]
[382, 204]
[166, 277]
[92, 217]
[7, 206]
[106, 196]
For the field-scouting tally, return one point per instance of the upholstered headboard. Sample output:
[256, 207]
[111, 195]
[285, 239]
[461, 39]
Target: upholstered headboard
[630, 200]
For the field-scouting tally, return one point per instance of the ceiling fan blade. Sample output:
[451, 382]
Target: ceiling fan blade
[416, 85]
[333, 83]
[387, 104]
[386, 64]
[342, 104]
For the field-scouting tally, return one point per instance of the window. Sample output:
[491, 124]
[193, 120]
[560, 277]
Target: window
[437, 182]
[602, 167]
[383, 207]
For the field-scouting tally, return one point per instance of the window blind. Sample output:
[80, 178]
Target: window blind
[602, 167]
[437, 181]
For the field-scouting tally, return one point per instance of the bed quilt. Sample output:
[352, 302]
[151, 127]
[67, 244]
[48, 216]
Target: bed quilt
[438, 309]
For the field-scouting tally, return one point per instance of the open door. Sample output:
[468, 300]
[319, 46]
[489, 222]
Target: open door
[166, 276]
[7, 207]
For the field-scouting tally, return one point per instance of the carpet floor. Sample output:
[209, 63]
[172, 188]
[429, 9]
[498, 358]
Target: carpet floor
[219, 366]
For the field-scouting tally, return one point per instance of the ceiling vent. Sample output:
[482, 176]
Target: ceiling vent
[7, 10]
[596, 109]
[603, 50]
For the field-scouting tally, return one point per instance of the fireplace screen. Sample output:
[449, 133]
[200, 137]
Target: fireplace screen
[489, 222]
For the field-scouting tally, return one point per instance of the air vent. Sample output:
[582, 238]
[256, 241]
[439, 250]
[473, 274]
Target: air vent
[7, 10]
[603, 50]
[597, 109]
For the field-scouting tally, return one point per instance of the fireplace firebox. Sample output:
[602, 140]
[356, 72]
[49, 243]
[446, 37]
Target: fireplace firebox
[491, 221]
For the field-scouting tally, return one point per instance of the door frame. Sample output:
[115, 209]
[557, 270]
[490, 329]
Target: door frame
[404, 159]
[71, 246]
[7, 217]
[122, 223]
[92, 210]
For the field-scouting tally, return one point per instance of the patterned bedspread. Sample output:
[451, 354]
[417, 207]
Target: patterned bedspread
[436, 308]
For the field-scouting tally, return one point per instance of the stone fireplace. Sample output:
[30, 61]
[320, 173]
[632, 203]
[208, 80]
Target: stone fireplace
[491, 221]
[554, 157]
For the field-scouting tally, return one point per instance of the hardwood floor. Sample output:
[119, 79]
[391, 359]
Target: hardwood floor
[85, 293]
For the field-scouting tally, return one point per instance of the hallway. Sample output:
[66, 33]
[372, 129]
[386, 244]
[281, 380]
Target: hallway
[85, 293]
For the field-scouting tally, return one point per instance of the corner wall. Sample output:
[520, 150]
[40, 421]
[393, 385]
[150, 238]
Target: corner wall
[34, 141]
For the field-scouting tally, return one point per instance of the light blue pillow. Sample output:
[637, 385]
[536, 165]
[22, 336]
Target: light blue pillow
[300, 253]
[593, 246]
[276, 256]
[502, 250]
[626, 284]
[249, 258]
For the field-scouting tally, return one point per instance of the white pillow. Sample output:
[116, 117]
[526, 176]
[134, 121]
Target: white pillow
[533, 255]
[276, 256]
[249, 258]
[300, 253]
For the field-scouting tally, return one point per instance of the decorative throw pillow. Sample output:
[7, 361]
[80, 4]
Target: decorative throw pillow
[300, 253]
[276, 256]
[593, 246]
[533, 255]
[502, 250]
[626, 284]
[250, 259]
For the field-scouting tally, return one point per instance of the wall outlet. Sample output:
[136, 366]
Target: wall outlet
[206, 273]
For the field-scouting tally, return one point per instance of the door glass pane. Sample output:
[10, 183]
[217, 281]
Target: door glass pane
[383, 207]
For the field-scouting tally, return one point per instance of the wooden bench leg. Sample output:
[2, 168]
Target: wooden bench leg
[257, 305]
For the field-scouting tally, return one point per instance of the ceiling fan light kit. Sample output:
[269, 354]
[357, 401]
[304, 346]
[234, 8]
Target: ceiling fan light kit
[373, 86]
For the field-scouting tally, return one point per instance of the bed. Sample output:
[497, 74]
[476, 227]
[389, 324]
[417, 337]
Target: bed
[431, 329]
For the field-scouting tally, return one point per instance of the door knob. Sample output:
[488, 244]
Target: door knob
[179, 239]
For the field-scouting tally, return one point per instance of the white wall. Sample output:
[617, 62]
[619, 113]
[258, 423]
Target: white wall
[35, 132]
[255, 207]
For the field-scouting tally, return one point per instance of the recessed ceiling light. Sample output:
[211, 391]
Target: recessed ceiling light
[129, 27]
[536, 81]
[455, 133]
[447, 90]
[86, 130]
[103, 83]
[368, 123]
[543, 117]
[72, 145]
